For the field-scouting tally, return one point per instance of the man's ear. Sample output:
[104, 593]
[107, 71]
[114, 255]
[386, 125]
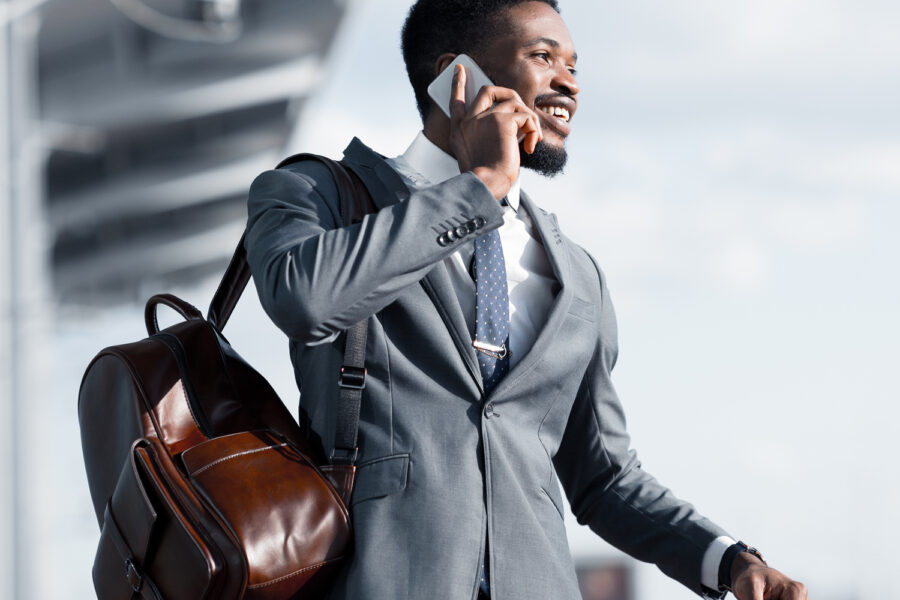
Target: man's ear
[443, 61]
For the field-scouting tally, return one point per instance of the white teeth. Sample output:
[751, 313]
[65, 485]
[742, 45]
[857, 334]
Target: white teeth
[556, 111]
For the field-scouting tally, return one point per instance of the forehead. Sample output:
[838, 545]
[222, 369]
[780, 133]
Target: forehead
[525, 23]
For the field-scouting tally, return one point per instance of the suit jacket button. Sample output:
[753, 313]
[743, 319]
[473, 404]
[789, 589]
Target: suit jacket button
[489, 410]
[443, 239]
[479, 222]
[461, 232]
[451, 235]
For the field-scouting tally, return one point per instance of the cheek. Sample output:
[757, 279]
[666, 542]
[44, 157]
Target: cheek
[522, 81]
[530, 88]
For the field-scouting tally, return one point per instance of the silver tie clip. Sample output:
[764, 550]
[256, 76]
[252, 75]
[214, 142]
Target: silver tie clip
[490, 349]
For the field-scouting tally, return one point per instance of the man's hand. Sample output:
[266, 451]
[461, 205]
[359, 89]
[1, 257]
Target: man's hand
[753, 580]
[485, 138]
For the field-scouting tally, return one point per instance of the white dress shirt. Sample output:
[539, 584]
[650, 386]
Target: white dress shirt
[531, 282]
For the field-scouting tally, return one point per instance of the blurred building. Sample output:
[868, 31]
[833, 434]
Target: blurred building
[130, 132]
[605, 580]
[154, 127]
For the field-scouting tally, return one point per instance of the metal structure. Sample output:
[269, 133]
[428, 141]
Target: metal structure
[153, 140]
[129, 133]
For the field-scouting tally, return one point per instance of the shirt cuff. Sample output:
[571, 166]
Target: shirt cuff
[709, 571]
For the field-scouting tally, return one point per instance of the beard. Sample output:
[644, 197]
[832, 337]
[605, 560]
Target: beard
[546, 159]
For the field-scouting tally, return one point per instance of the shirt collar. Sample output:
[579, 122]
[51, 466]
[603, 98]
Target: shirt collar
[436, 166]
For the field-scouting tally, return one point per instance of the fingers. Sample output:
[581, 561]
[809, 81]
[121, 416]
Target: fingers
[495, 99]
[795, 591]
[532, 130]
[458, 94]
[757, 589]
[772, 587]
[509, 103]
[758, 592]
[491, 95]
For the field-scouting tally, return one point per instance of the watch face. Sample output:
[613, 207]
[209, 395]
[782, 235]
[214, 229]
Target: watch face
[753, 551]
[757, 554]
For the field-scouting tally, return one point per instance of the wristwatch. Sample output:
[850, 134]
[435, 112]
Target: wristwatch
[728, 560]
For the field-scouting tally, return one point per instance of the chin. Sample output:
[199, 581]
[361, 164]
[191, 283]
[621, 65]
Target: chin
[546, 159]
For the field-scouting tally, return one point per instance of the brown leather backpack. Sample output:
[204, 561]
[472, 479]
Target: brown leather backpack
[203, 485]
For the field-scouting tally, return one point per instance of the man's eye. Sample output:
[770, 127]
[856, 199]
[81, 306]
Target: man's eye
[542, 55]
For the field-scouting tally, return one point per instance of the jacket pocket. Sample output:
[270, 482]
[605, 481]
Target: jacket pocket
[380, 477]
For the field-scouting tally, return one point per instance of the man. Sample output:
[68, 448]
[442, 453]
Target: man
[491, 340]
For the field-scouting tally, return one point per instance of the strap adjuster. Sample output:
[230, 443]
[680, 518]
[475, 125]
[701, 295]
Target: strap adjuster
[353, 378]
[344, 456]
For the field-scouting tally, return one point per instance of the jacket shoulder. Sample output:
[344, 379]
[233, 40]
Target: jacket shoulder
[312, 171]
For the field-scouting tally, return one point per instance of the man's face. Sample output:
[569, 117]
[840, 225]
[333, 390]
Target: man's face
[535, 56]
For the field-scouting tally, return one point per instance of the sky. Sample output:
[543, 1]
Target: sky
[735, 169]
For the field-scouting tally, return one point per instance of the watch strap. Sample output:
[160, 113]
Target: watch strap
[728, 560]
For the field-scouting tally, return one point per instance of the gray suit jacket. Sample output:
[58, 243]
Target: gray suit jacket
[444, 467]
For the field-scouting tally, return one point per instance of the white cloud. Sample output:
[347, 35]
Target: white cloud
[703, 40]
[742, 265]
[328, 131]
[866, 166]
[820, 227]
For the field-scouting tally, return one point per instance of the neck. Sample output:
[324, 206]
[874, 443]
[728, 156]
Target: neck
[437, 129]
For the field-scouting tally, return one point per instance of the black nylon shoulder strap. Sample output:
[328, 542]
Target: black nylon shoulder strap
[354, 201]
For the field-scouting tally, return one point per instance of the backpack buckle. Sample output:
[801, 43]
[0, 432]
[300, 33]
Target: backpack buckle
[353, 378]
[344, 456]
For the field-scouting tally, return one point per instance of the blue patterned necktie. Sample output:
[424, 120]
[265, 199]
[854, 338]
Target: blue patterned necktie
[491, 321]
[491, 309]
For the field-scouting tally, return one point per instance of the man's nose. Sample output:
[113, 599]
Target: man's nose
[565, 82]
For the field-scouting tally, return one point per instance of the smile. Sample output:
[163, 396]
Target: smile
[556, 111]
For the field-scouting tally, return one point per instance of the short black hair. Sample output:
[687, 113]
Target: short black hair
[435, 27]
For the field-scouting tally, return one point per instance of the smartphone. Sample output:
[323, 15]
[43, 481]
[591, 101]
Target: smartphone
[441, 88]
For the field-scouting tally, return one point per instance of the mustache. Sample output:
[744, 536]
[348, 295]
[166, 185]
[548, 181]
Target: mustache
[552, 96]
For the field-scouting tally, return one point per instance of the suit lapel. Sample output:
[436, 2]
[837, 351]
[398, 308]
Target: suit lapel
[388, 187]
[438, 287]
[557, 252]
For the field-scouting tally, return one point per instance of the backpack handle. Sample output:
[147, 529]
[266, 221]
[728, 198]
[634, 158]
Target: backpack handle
[188, 311]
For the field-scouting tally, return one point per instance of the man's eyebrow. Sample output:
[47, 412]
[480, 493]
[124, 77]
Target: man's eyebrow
[550, 42]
